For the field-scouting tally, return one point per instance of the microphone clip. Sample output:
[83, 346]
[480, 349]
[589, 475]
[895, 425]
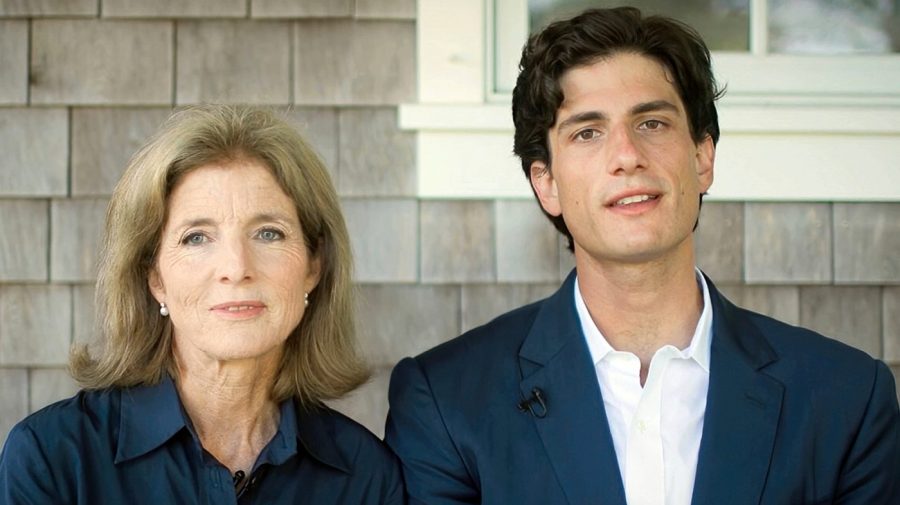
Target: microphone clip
[528, 405]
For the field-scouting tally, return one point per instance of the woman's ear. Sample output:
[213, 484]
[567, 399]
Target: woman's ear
[154, 282]
[313, 273]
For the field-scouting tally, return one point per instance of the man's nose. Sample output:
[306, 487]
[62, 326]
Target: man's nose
[625, 154]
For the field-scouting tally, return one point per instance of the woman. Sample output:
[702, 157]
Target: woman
[224, 308]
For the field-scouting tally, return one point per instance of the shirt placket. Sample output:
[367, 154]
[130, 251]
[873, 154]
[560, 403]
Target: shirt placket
[645, 467]
[219, 488]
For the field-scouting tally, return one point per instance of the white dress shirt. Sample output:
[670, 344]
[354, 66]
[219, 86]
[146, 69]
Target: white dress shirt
[656, 429]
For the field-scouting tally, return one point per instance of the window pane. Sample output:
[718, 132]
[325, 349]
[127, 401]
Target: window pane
[724, 24]
[834, 26]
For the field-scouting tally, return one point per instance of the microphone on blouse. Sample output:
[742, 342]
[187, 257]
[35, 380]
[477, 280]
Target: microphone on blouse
[537, 398]
[243, 483]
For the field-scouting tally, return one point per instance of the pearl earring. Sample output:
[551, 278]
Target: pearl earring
[306, 299]
[163, 310]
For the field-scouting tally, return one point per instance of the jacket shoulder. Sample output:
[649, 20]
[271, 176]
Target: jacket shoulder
[799, 343]
[813, 361]
[502, 336]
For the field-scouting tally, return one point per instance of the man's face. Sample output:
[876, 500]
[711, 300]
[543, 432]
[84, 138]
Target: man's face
[625, 175]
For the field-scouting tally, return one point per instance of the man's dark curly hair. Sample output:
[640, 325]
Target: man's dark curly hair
[591, 36]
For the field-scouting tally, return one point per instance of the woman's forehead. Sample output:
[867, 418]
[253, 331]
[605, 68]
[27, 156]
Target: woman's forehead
[232, 188]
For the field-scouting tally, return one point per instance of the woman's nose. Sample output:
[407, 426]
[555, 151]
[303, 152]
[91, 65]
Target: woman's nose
[235, 261]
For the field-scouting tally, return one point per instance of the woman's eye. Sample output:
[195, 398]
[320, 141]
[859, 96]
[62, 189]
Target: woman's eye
[270, 234]
[195, 238]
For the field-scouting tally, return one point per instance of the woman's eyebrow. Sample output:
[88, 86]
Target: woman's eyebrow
[192, 222]
[265, 217]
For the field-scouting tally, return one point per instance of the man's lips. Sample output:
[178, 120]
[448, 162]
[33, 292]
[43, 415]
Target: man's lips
[628, 200]
[632, 197]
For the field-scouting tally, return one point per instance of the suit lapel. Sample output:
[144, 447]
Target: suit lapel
[742, 411]
[575, 433]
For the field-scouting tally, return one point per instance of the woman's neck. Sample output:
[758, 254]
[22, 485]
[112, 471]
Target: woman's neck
[230, 405]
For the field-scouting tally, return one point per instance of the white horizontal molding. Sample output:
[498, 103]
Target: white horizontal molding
[823, 119]
[749, 166]
[459, 118]
[807, 168]
[468, 165]
[806, 75]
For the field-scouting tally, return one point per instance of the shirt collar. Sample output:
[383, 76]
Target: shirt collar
[317, 430]
[698, 349]
[284, 444]
[150, 416]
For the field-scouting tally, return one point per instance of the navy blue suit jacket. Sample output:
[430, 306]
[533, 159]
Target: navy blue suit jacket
[792, 417]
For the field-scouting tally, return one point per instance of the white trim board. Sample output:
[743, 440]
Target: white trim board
[828, 153]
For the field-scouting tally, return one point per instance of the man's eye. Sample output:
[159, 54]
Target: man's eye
[652, 124]
[586, 134]
[270, 234]
[195, 238]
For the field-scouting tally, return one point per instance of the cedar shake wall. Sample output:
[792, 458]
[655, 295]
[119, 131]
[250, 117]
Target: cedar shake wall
[83, 84]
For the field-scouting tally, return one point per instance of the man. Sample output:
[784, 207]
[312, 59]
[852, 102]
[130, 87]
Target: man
[637, 382]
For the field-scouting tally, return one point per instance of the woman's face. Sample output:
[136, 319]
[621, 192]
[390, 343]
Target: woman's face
[232, 265]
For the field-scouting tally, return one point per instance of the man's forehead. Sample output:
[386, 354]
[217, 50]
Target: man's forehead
[618, 82]
[621, 70]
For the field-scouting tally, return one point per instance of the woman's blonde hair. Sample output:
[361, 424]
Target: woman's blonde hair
[320, 359]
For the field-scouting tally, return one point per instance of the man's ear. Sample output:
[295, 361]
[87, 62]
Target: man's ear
[544, 185]
[706, 160]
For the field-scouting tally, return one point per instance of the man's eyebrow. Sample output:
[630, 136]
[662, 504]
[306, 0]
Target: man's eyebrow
[581, 117]
[592, 115]
[654, 106]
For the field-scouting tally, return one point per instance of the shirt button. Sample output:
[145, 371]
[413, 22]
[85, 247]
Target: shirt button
[642, 426]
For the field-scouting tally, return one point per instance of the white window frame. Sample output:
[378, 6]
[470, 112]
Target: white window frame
[794, 128]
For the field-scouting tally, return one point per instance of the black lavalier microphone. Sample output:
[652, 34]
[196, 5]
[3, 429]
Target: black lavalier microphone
[243, 483]
[537, 397]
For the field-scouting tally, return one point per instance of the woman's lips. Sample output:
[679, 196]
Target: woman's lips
[239, 309]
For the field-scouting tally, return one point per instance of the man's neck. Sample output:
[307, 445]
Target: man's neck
[641, 307]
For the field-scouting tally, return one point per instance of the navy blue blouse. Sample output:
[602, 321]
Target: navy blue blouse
[135, 446]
